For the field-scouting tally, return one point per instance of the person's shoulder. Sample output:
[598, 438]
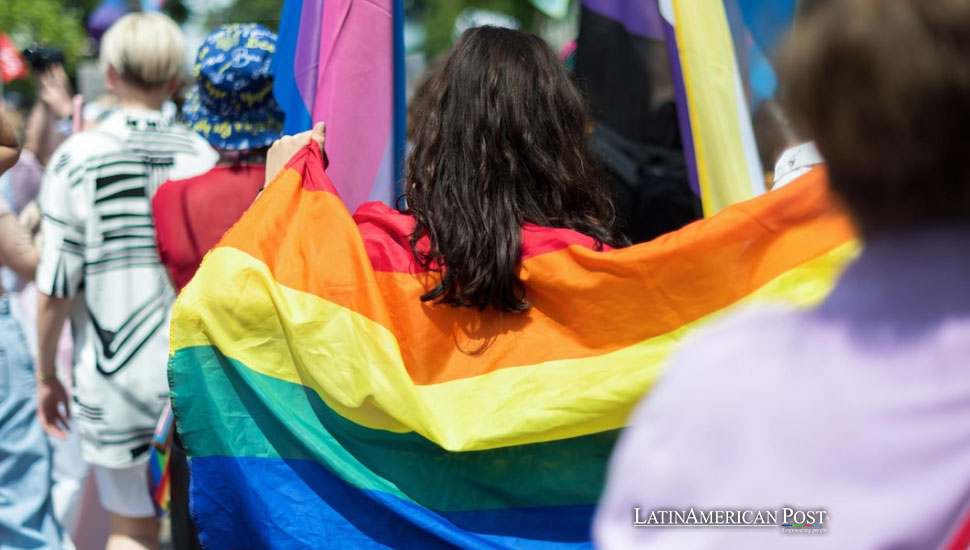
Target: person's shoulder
[194, 144]
[225, 178]
[172, 189]
[739, 355]
[197, 141]
[379, 222]
[749, 326]
[214, 173]
[386, 234]
[94, 141]
[537, 239]
[80, 150]
[707, 408]
[712, 399]
[195, 158]
[375, 211]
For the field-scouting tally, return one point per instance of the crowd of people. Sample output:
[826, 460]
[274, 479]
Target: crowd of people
[823, 406]
[115, 248]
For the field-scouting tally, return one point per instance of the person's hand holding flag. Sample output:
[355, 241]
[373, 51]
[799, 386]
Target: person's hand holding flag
[284, 148]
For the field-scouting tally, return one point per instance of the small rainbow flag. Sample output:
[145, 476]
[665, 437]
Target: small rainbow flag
[159, 470]
[323, 405]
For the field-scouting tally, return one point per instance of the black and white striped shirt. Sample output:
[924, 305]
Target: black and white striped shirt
[99, 247]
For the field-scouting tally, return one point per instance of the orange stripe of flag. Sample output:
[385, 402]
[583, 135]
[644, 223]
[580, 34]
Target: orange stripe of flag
[584, 303]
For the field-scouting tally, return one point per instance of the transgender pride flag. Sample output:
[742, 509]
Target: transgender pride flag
[341, 61]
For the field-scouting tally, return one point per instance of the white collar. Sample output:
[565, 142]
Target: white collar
[795, 161]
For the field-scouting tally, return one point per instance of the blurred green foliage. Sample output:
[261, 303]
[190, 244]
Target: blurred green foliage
[49, 22]
[264, 12]
[60, 23]
[438, 16]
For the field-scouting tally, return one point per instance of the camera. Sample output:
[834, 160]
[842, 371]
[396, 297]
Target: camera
[40, 57]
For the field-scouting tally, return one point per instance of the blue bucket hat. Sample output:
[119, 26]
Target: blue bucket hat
[232, 103]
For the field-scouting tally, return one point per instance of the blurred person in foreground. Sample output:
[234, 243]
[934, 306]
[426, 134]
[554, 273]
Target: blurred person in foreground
[26, 512]
[19, 186]
[860, 407]
[99, 263]
[232, 106]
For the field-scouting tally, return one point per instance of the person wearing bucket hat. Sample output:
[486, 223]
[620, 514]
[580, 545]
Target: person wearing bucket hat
[232, 103]
[232, 106]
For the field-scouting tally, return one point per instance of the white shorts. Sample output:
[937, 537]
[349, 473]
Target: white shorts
[125, 491]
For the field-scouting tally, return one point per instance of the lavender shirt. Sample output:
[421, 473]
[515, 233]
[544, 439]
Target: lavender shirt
[860, 407]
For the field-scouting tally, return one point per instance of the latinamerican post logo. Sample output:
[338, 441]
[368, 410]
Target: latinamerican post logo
[789, 520]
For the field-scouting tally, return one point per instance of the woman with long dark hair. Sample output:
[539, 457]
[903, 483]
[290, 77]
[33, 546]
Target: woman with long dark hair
[500, 140]
[503, 142]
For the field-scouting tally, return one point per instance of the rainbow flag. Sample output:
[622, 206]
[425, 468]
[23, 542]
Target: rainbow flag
[323, 405]
[342, 62]
[159, 467]
[159, 480]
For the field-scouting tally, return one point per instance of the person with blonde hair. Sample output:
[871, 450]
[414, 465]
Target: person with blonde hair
[99, 263]
[850, 421]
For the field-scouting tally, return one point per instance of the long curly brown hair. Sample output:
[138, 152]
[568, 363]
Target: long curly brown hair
[500, 138]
